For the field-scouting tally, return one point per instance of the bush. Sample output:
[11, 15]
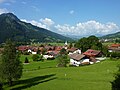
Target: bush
[115, 55]
[116, 82]
[35, 57]
[26, 60]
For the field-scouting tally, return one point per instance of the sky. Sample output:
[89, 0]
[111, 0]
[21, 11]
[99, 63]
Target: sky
[68, 17]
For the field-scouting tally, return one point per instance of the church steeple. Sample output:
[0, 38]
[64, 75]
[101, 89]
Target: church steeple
[66, 43]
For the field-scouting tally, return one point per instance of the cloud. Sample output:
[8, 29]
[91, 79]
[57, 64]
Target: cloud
[88, 28]
[43, 23]
[3, 10]
[47, 21]
[79, 29]
[33, 22]
[71, 12]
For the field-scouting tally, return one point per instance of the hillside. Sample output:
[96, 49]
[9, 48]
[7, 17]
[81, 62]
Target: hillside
[12, 27]
[111, 36]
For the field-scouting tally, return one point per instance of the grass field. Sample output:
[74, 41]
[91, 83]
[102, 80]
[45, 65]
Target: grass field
[46, 76]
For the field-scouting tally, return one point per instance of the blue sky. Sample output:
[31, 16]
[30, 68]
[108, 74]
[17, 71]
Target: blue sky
[68, 17]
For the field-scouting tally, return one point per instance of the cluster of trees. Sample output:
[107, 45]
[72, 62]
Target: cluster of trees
[10, 66]
[92, 42]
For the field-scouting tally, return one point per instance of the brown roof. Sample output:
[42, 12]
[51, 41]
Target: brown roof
[49, 48]
[72, 49]
[54, 53]
[77, 56]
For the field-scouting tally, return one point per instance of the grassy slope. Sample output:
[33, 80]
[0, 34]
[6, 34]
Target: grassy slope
[48, 77]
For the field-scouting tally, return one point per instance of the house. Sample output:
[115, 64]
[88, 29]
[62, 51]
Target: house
[77, 51]
[23, 48]
[49, 48]
[47, 56]
[32, 50]
[74, 50]
[54, 53]
[75, 59]
[93, 53]
[114, 48]
[115, 45]
[71, 50]
[88, 57]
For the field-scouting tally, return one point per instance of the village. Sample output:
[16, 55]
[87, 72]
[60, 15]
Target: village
[77, 57]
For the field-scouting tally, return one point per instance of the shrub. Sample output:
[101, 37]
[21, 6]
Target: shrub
[35, 57]
[116, 82]
[115, 55]
[26, 60]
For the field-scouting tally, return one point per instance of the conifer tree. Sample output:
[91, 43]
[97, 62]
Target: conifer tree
[10, 67]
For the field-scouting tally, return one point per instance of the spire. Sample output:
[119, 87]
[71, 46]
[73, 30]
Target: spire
[66, 43]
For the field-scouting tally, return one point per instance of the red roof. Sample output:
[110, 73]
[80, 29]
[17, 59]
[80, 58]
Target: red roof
[58, 48]
[115, 45]
[22, 48]
[91, 52]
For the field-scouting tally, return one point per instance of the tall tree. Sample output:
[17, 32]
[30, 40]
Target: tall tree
[62, 59]
[11, 66]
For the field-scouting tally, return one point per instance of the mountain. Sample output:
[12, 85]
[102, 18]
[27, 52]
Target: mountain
[111, 36]
[11, 27]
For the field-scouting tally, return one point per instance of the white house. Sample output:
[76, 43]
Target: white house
[75, 59]
[29, 50]
[77, 51]
[48, 56]
[34, 52]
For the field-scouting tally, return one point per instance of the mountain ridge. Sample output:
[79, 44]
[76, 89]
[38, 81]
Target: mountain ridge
[12, 27]
[111, 36]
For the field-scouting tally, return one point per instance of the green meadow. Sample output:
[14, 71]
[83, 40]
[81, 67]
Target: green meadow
[46, 76]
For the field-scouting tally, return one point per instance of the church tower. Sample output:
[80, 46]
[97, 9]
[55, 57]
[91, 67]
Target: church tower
[65, 45]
